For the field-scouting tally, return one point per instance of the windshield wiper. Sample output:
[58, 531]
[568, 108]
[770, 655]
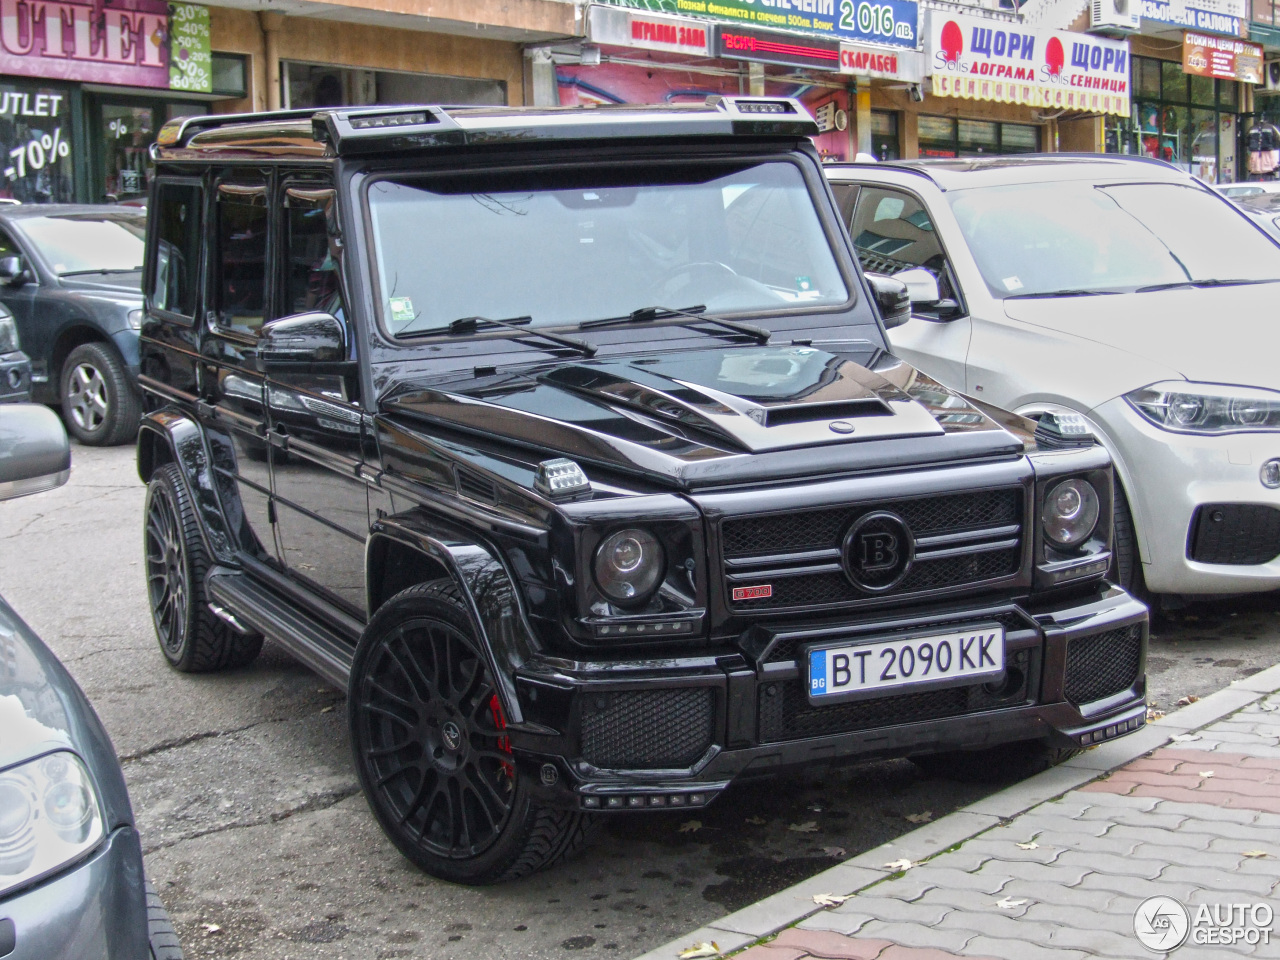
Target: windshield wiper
[1199, 284]
[77, 273]
[650, 314]
[472, 324]
[1053, 294]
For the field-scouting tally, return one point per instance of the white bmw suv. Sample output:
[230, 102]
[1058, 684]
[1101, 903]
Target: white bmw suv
[1120, 289]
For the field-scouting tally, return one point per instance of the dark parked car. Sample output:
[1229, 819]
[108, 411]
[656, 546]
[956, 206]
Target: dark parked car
[15, 367]
[568, 443]
[71, 874]
[70, 275]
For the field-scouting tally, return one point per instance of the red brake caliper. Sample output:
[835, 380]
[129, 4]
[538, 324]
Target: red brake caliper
[504, 743]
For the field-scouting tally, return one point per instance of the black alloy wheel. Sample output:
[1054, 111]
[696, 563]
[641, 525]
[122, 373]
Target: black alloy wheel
[191, 637]
[432, 752]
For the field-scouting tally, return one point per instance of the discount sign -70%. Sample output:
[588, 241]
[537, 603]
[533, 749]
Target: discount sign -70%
[47, 148]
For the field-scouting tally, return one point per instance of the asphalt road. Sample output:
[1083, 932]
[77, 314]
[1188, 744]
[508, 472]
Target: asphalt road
[261, 845]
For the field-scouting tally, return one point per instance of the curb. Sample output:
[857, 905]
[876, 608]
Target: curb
[788, 907]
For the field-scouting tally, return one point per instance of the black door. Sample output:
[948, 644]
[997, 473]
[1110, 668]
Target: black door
[322, 511]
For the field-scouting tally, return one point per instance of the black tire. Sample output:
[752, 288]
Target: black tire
[192, 639]
[426, 731]
[160, 932]
[1126, 562]
[99, 404]
[1000, 764]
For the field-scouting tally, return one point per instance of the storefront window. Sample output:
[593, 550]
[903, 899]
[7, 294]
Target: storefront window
[322, 85]
[127, 133]
[884, 135]
[1146, 77]
[35, 140]
[945, 137]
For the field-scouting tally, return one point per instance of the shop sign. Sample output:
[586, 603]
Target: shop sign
[123, 43]
[1223, 57]
[619, 27]
[1213, 16]
[893, 22]
[190, 51]
[35, 143]
[980, 59]
[786, 49]
[866, 61]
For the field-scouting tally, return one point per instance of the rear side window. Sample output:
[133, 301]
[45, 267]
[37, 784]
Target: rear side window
[241, 281]
[175, 279]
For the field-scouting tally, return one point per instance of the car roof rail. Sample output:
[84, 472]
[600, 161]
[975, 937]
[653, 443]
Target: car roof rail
[178, 131]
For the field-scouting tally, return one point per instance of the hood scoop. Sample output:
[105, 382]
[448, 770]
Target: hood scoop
[757, 399]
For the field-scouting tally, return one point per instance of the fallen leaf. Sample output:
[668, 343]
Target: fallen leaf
[809, 826]
[816, 808]
[924, 817]
[828, 899]
[1007, 904]
[328, 709]
[1188, 700]
[690, 826]
[211, 928]
[1029, 845]
[1254, 853]
[703, 948]
[757, 821]
[1186, 737]
[1206, 774]
[834, 852]
[1153, 714]
[897, 866]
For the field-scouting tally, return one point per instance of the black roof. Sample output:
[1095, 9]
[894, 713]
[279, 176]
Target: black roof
[955, 174]
[361, 130]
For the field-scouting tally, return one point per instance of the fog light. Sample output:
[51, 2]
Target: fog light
[1270, 474]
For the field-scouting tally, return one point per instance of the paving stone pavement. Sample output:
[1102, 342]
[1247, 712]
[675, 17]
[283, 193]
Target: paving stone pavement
[1057, 867]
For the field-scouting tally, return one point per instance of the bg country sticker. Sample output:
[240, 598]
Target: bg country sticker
[1162, 924]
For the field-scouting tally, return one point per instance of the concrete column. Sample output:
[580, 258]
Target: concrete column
[862, 102]
[755, 73]
[271, 23]
[543, 91]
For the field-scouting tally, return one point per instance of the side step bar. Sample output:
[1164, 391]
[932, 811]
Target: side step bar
[308, 640]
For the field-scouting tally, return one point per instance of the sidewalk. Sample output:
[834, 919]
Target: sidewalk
[1056, 866]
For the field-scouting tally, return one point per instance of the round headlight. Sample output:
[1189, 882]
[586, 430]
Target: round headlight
[628, 565]
[1070, 512]
[1185, 409]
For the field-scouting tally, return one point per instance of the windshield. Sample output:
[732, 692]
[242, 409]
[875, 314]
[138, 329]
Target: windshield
[1071, 236]
[79, 244]
[562, 247]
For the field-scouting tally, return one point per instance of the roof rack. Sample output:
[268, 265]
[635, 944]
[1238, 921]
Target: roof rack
[178, 131]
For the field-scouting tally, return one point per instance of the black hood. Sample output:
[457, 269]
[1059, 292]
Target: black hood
[719, 416]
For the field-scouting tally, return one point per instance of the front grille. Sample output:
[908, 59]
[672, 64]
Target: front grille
[785, 649]
[1103, 664]
[1240, 534]
[786, 714]
[647, 730]
[779, 549]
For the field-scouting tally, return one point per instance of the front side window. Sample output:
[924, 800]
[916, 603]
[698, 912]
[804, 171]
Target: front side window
[1041, 238]
[241, 284]
[177, 226]
[312, 280]
[564, 246]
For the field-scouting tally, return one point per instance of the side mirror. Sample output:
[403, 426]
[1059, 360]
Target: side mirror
[34, 453]
[925, 296]
[892, 296]
[303, 339]
[12, 270]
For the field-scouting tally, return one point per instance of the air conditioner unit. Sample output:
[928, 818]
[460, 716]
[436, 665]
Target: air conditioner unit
[1121, 15]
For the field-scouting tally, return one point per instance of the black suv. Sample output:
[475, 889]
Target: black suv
[567, 441]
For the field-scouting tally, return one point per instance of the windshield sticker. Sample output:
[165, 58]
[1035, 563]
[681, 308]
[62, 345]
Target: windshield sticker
[401, 309]
[1012, 283]
[804, 283]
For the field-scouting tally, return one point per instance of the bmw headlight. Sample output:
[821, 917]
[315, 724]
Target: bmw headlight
[1207, 408]
[628, 566]
[49, 816]
[135, 319]
[1070, 512]
[9, 342]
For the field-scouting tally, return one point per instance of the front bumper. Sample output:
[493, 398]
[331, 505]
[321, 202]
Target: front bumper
[96, 910]
[1168, 476]
[15, 378]
[1075, 675]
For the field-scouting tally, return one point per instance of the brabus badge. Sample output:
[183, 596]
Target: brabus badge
[753, 593]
